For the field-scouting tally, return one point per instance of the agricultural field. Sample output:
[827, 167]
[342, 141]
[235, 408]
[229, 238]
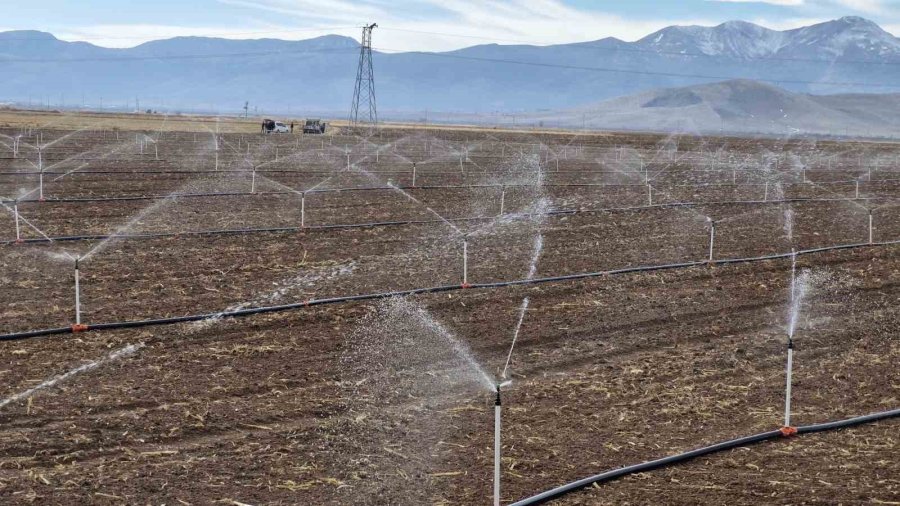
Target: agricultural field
[336, 312]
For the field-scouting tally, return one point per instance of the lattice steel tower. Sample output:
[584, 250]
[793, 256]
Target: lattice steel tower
[364, 91]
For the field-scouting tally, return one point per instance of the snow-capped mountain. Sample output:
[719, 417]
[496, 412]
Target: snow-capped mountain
[737, 39]
[848, 55]
[846, 38]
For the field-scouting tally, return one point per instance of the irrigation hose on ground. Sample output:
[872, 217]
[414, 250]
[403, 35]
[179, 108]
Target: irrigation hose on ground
[682, 457]
[418, 291]
[401, 223]
[410, 187]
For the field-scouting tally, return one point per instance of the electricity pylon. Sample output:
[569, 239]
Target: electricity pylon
[364, 91]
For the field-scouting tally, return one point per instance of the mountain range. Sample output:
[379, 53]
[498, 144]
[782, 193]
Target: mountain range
[739, 106]
[848, 55]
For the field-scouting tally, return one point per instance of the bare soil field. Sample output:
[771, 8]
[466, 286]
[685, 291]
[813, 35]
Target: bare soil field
[379, 402]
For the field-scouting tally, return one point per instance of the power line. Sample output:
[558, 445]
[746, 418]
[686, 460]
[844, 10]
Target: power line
[594, 46]
[642, 72]
[443, 55]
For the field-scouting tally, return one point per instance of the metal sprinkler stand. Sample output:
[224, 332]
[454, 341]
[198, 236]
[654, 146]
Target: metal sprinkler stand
[302, 209]
[18, 228]
[712, 238]
[77, 294]
[465, 283]
[871, 232]
[787, 392]
[497, 409]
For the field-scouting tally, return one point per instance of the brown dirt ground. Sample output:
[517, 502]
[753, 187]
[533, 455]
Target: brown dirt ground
[292, 408]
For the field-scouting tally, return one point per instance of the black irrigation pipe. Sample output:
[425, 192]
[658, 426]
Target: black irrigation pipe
[395, 171]
[699, 452]
[427, 187]
[415, 291]
[123, 198]
[401, 223]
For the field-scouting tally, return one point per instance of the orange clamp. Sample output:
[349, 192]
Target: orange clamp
[79, 327]
[788, 431]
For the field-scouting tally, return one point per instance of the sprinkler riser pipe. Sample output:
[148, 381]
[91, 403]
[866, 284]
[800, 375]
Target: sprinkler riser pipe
[77, 295]
[497, 428]
[787, 391]
[465, 262]
[18, 229]
[414, 175]
[871, 231]
[712, 239]
[302, 209]
[502, 200]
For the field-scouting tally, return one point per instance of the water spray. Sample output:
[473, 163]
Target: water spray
[522, 311]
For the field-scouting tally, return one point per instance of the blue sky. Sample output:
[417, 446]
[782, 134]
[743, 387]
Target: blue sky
[419, 24]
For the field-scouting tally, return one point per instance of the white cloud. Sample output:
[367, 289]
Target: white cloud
[869, 6]
[894, 29]
[467, 22]
[449, 24]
